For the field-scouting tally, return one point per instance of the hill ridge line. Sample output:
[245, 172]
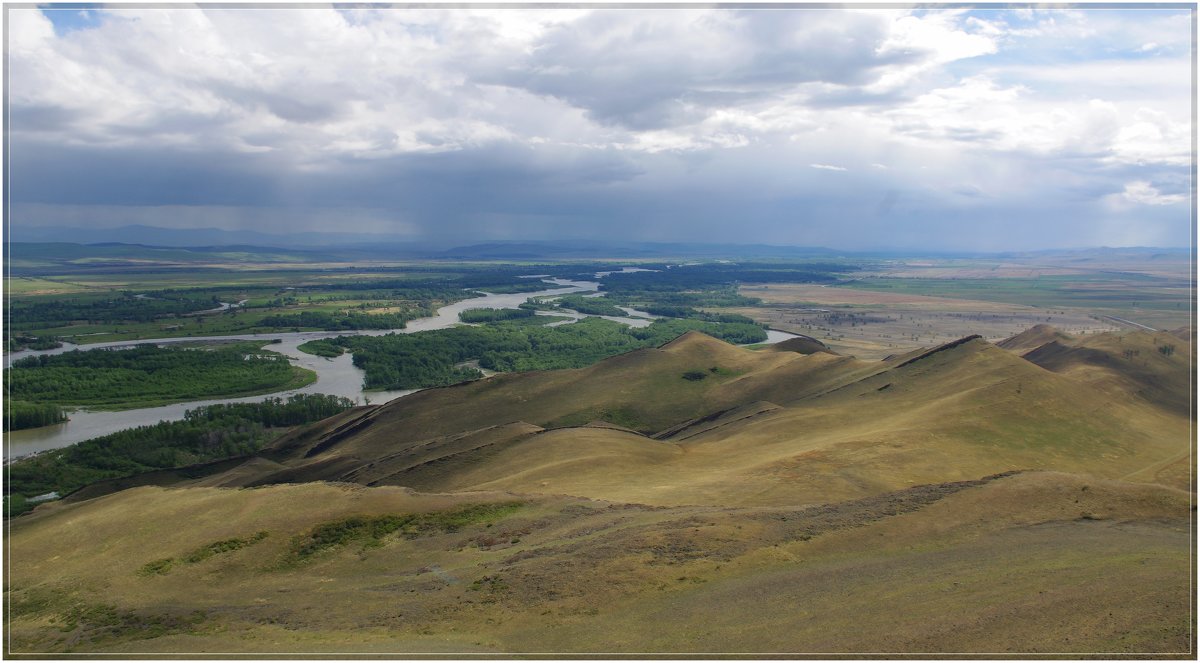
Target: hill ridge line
[945, 346]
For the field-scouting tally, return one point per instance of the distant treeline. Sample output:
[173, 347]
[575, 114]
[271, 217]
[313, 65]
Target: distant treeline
[419, 291]
[709, 284]
[22, 342]
[125, 308]
[205, 434]
[342, 321]
[710, 275]
[148, 374]
[695, 314]
[429, 359]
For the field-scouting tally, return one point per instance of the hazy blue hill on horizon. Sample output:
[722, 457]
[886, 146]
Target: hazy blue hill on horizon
[194, 237]
[354, 246]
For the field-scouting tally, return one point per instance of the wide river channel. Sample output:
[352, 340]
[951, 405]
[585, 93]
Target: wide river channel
[336, 376]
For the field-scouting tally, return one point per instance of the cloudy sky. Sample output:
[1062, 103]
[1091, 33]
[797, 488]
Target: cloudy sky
[852, 128]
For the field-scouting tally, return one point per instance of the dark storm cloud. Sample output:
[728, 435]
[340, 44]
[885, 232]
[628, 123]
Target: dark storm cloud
[72, 175]
[36, 118]
[867, 129]
[449, 187]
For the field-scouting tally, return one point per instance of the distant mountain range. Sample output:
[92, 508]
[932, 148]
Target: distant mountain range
[325, 246]
[341, 245]
[175, 237]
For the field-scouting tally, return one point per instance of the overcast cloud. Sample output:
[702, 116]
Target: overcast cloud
[858, 129]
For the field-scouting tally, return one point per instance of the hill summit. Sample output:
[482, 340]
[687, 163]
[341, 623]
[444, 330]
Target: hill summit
[1034, 337]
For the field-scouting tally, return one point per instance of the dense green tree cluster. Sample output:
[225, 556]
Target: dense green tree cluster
[19, 415]
[147, 374]
[433, 358]
[339, 321]
[205, 434]
[275, 412]
[321, 348]
[695, 314]
[537, 304]
[477, 315]
[670, 296]
[412, 361]
[590, 305]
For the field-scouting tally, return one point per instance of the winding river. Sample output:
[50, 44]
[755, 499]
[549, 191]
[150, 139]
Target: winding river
[335, 376]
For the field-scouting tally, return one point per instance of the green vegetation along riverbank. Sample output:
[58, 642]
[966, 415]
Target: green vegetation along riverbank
[206, 433]
[19, 415]
[148, 375]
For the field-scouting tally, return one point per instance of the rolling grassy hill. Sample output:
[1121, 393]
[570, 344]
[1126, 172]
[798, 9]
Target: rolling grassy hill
[762, 428]
[1032, 562]
[696, 497]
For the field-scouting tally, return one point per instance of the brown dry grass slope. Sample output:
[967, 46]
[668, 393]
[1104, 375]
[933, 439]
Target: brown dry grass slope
[1032, 562]
[962, 498]
[1034, 337]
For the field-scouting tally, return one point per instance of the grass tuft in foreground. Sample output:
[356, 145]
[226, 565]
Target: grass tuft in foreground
[163, 566]
[370, 531]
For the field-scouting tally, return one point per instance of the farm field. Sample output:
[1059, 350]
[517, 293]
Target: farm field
[899, 305]
[874, 324]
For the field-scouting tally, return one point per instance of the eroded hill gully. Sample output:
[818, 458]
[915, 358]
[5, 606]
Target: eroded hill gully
[779, 525]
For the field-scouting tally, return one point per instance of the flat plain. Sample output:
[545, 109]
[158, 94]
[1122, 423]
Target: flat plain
[903, 304]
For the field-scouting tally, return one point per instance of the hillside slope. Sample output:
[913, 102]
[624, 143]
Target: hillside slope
[1034, 337]
[758, 429]
[1032, 562]
[1151, 367]
[697, 497]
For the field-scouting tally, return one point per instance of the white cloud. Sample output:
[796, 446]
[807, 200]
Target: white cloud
[822, 166]
[1151, 137]
[980, 112]
[936, 38]
[1143, 193]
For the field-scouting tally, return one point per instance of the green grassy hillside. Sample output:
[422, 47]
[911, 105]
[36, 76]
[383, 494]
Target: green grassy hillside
[759, 428]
